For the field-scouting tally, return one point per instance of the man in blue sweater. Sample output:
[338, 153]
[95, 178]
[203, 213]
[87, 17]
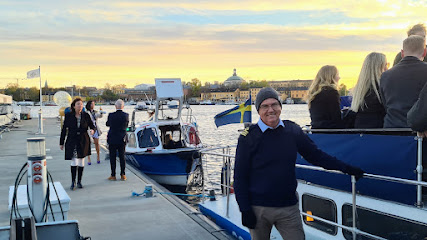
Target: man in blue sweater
[265, 159]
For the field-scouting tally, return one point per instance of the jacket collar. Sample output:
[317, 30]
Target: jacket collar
[264, 126]
[410, 59]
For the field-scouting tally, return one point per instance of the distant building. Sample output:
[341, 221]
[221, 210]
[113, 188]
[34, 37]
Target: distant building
[244, 95]
[96, 93]
[220, 96]
[300, 93]
[290, 84]
[47, 97]
[234, 80]
[138, 94]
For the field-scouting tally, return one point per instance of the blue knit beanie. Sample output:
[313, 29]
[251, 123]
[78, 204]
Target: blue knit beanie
[266, 93]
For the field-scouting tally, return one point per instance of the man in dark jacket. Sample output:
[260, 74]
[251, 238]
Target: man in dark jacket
[417, 116]
[401, 85]
[265, 158]
[417, 29]
[118, 122]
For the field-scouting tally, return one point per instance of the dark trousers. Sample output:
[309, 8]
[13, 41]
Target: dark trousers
[114, 148]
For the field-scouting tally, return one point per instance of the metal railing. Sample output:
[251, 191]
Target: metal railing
[227, 161]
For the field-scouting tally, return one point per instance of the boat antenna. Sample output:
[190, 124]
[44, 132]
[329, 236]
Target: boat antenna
[150, 100]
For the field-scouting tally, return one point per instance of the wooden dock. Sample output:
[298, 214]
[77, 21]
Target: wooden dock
[104, 209]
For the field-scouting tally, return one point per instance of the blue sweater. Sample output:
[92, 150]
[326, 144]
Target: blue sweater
[264, 171]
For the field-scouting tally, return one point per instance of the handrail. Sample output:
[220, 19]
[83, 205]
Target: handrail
[216, 148]
[368, 175]
[342, 226]
[361, 130]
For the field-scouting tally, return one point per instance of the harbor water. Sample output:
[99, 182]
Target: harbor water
[210, 135]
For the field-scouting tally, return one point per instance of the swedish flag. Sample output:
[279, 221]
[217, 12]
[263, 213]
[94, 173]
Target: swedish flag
[238, 114]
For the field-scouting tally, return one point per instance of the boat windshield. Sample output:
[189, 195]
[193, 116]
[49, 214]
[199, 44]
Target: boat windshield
[148, 138]
[168, 109]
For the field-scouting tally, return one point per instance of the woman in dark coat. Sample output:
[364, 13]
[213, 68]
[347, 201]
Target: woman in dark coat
[366, 98]
[324, 100]
[77, 145]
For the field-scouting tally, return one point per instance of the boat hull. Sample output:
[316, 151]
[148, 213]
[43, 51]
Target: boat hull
[167, 167]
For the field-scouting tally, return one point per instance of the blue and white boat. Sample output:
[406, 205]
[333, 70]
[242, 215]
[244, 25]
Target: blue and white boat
[166, 146]
[386, 204]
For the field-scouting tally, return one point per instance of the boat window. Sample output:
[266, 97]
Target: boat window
[148, 138]
[382, 224]
[131, 140]
[320, 207]
[172, 140]
[168, 110]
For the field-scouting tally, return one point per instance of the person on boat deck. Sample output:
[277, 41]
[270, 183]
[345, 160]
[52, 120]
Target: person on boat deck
[118, 122]
[169, 144]
[77, 143]
[417, 115]
[94, 115]
[417, 29]
[265, 158]
[366, 98]
[324, 100]
[400, 86]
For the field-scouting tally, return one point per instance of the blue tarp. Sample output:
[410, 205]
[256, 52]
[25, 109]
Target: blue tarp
[387, 155]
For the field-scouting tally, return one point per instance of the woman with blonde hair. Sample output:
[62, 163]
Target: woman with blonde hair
[324, 100]
[366, 98]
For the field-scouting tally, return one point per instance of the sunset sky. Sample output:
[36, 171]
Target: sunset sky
[91, 43]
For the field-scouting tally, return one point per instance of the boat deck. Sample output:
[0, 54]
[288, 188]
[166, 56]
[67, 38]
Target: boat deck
[104, 209]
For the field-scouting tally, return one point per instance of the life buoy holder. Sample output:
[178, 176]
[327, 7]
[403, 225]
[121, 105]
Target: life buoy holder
[192, 136]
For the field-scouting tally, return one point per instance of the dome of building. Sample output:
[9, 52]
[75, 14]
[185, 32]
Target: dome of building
[143, 87]
[234, 80]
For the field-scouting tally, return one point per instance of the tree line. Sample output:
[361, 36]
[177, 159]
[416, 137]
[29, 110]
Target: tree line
[193, 88]
[33, 94]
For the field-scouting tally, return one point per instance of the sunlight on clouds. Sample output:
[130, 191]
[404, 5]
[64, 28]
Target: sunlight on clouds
[361, 9]
[130, 42]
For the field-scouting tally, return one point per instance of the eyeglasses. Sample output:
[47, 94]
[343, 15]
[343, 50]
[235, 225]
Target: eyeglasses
[274, 106]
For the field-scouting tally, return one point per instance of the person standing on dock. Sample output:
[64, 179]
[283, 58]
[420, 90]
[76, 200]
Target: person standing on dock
[118, 121]
[94, 115]
[77, 143]
[265, 158]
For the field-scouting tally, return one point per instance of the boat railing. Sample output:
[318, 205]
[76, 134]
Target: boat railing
[227, 158]
[188, 117]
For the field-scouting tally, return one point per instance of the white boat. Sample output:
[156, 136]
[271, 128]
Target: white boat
[174, 104]
[141, 105]
[6, 110]
[207, 102]
[387, 202]
[231, 102]
[166, 147]
[131, 102]
[289, 101]
[25, 103]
